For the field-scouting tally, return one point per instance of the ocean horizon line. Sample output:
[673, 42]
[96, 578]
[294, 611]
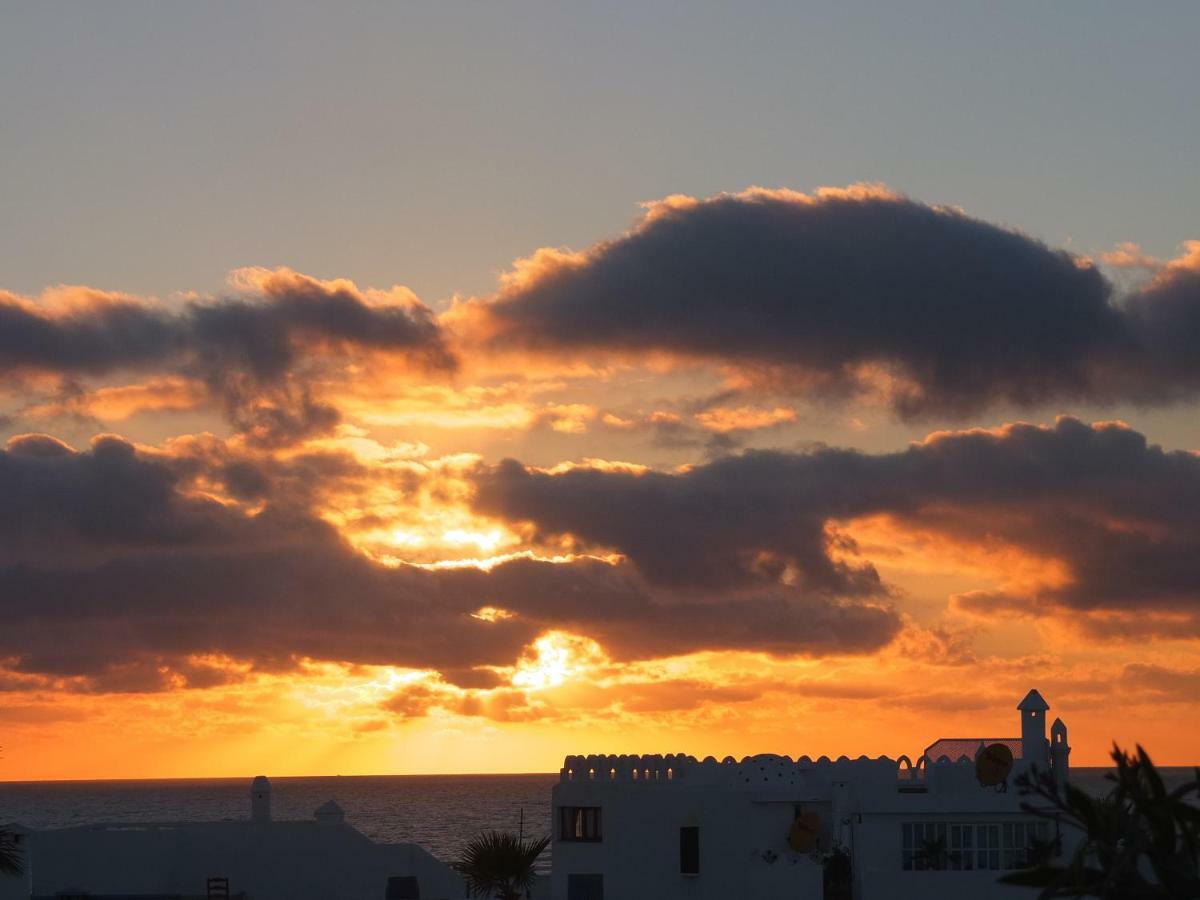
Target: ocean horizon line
[5, 782]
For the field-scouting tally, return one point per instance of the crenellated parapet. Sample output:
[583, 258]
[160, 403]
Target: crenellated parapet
[652, 768]
[764, 770]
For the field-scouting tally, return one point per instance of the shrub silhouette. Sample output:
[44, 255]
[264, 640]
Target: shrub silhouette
[1141, 842]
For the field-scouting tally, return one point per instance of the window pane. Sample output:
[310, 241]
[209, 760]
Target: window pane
[579, 823]
[689, 850]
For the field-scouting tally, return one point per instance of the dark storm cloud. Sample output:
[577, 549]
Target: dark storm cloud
[1121, 515]
[110, 572]
[739, 521]
[254, 355]
[91, 338]
[815, 290]
[98, 333]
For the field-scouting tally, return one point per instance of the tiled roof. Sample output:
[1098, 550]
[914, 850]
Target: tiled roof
[956, 748]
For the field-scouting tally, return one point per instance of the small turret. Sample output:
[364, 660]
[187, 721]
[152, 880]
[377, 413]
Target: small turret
[260, 799]
[1060, 750]
[329, 811]
[1033, 729]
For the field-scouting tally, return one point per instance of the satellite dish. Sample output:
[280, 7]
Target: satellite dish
[805, 832]
[993, 764]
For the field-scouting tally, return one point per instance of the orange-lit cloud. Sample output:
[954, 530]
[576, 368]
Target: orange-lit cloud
[600, 510]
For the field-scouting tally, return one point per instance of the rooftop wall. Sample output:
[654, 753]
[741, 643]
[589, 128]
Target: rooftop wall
[750, 771]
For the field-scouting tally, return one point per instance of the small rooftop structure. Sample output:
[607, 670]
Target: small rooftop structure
[955, 749]
[260, 799]
[329, 811]
[1033, 702]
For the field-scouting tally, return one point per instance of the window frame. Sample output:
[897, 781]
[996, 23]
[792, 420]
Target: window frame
[581, 824]
[996, 846]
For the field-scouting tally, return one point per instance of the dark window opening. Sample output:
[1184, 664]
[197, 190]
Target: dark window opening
[689, 850]
[403, 887]
[585, 887]
[579, 823]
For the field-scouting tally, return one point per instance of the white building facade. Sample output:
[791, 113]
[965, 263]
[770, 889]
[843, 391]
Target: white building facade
[664, 827]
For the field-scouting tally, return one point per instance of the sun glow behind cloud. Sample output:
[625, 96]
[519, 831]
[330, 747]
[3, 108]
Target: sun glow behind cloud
[557, 657]
[678, 553]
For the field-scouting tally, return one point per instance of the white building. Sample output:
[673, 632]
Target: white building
[259, 859]
[664, 827]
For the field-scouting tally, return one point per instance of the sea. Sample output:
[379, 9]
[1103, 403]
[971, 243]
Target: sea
[439, 812]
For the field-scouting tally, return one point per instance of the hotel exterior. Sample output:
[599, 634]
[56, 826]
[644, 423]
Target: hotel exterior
[945, 826]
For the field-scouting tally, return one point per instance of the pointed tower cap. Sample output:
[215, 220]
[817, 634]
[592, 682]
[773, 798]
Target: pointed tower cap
[1059, 725]
[1033, 701]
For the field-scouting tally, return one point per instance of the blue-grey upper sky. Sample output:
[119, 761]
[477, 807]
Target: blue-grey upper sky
[151, 147]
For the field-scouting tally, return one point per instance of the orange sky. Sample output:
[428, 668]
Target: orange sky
[461, 616]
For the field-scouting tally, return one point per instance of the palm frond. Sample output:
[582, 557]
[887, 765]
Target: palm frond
[11, 862]
[500, 864]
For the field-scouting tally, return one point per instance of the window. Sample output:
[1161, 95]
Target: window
[402, 887]
[585, 887]
[955, 846]
[689, 850]
[579, 823]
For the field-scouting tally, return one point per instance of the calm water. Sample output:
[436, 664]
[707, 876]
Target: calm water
[440, 812]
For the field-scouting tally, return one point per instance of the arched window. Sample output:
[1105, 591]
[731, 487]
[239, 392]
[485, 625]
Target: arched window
[591, 774]
[670, 774]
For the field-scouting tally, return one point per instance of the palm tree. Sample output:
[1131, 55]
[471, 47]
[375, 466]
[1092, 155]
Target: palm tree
[500, 864]
[1141, 842]
[10, 855]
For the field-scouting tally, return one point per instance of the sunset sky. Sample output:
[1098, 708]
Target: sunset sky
[451, 387]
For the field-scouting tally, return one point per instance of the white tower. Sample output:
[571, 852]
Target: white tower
[1059, 751]
[1033, 730]
[260, 799]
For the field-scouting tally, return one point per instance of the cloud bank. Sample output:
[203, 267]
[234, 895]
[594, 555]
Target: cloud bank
[256, 354]
[859, 289]
[114, 570]
[1118, 519]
